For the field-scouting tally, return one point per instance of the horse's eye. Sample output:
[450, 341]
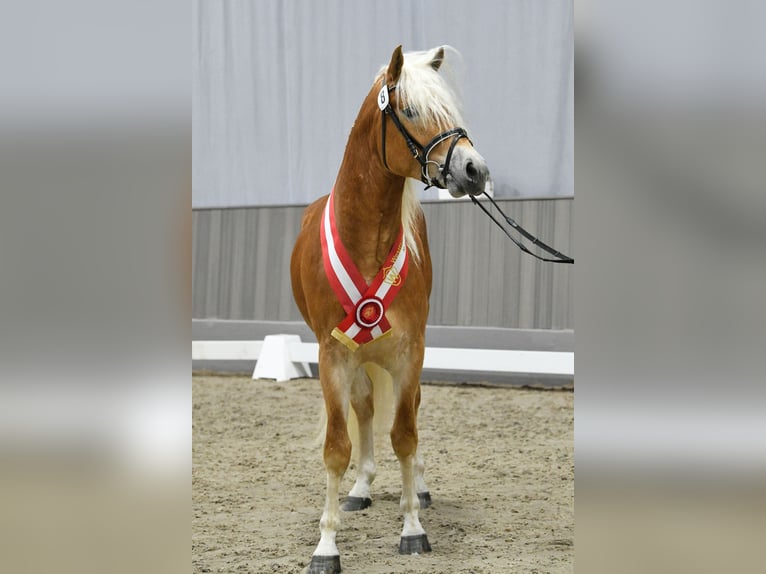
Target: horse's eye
[410, 112]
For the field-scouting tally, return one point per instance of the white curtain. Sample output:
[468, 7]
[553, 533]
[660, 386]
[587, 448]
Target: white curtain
[277, 85]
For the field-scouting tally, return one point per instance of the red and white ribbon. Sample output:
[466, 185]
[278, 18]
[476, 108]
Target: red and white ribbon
[365, 305]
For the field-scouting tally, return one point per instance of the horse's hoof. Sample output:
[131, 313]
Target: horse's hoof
[324, 565]
[417, 544]
[425, 499]
[353, 503]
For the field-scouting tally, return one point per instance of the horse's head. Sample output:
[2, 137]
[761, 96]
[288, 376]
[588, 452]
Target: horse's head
[421, 125]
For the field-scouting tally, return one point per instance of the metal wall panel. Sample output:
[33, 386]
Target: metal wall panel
[241, 265]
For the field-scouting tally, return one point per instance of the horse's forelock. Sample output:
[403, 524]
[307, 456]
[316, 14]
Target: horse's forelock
[431, 94]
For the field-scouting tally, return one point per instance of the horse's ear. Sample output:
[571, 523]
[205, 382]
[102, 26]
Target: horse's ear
[395, 67]
[438, 58]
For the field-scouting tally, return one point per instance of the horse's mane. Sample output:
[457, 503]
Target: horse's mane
[411, 210]
[433, 97]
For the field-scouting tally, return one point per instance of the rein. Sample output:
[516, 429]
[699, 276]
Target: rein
[418, 151]
[559, 257]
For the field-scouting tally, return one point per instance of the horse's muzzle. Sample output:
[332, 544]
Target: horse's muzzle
[468, 172]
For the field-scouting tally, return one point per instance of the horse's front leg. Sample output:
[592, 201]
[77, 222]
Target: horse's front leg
[404, 439]
[337, 452]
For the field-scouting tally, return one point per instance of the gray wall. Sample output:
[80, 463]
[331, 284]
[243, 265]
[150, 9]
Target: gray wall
[277, 85]
[241, 265]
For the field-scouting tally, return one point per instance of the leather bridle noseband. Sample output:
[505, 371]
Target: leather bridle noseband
[419, 152]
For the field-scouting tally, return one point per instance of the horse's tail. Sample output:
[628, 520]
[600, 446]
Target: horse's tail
[383, 402]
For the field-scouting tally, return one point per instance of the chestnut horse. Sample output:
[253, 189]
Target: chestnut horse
[361, 277]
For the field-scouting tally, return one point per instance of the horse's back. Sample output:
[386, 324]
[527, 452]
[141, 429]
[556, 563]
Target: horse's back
[312, 214]
[306, 253]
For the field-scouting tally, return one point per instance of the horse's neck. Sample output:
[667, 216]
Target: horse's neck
[368, 202]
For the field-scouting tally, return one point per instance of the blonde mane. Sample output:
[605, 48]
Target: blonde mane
[431, 94]
[411, 210]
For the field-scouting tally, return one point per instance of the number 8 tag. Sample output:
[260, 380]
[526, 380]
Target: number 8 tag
[383, 97]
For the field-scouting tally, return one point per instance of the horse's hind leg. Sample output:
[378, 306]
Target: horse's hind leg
[404, 439]
[362, 401]
[337, 452]
[424, 496]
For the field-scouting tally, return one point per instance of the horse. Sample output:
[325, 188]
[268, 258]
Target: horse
[361, 278]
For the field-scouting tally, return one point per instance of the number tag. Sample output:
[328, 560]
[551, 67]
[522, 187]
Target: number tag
[383, 97]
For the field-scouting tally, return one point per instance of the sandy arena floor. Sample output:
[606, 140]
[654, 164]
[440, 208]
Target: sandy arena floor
[499, 465]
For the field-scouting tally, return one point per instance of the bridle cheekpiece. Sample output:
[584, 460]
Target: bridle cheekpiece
[419, 152]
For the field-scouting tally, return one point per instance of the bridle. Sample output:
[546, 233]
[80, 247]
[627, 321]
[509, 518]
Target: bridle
[419, 152]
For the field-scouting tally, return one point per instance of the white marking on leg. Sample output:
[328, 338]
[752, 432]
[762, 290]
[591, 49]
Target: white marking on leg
[361, 488]
[410, 504]
[362, 398]
[420, 483]
[366, 469]
[330, 521]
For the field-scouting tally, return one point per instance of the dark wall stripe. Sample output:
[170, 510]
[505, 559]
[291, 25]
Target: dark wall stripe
[241, 263]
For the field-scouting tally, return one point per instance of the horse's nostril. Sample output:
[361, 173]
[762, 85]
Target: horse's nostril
[471, 170]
